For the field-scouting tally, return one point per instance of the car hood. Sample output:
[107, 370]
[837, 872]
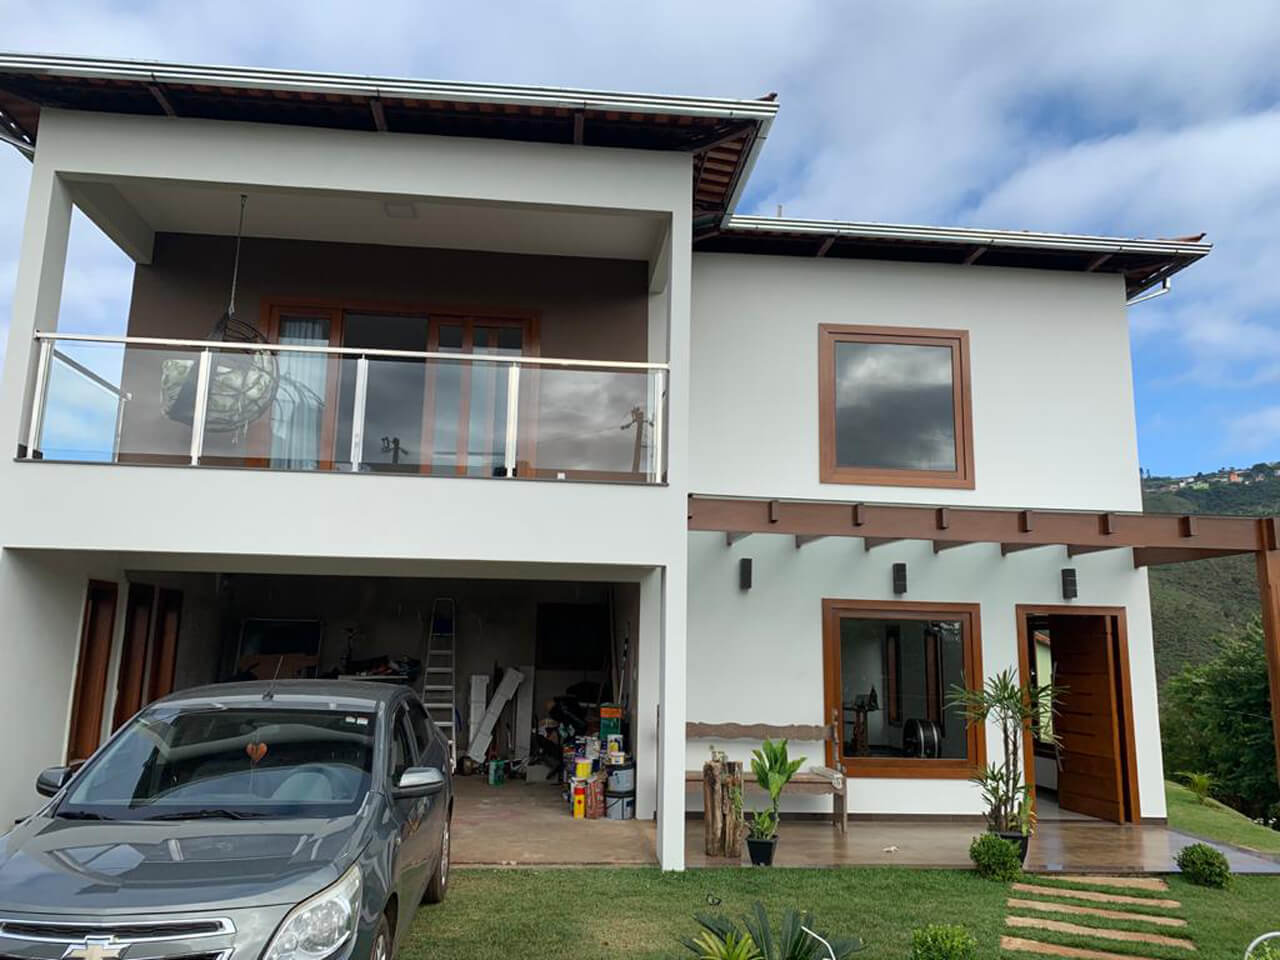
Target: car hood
[51, 865]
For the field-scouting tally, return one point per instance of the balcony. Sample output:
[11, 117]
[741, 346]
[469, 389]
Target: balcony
[299, 406]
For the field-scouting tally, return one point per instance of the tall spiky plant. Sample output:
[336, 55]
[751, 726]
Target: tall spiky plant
[773, 770]
[1015, 710]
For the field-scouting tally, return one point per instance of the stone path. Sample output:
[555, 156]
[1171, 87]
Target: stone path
[1082, 916]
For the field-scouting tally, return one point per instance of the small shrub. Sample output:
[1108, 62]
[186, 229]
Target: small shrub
[995, 857]
[1198, 783]
[1203, 865]
[943, 941]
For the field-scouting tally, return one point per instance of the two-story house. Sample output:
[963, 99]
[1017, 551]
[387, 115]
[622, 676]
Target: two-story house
[500, 368]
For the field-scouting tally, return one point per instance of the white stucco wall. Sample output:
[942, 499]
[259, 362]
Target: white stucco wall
[1053, 418]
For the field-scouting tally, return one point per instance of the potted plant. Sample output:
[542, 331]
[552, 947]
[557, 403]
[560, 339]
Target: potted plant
[773, 770]
[1016, 710]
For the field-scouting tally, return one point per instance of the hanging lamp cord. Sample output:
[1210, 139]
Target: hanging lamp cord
[235, 269]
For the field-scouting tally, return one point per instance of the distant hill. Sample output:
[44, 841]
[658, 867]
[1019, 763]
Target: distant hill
[1193, 603]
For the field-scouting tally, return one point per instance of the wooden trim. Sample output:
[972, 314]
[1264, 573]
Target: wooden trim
[885, 521]
[131, 675]
[1269, 596]
[1121, 632]
[164, 655]
[901, 767]
[89, 693]
[829, 471]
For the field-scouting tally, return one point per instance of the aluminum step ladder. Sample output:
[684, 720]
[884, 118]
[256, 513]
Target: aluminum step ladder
[438, 676]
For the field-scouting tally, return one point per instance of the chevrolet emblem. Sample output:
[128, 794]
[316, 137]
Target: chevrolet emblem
[95, 948]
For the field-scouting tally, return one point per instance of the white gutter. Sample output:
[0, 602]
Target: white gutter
[967, 235]
[357, 85]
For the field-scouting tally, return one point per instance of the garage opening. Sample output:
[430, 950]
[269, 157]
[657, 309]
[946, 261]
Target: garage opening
[534, 681]
[1082, 761]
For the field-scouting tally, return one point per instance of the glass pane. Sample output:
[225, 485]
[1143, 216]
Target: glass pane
[895, 677]
[248, 393]
[487, 407]
[586, 424]
[298, 413]
[394, 397]
[83, 402]
[895, 406]
[150, 390]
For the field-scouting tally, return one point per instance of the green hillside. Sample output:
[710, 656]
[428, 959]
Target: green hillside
[1192, 603]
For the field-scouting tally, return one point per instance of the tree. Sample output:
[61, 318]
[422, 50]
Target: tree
[1217, 720]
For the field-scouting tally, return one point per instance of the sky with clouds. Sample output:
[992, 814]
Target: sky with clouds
[1138, 118]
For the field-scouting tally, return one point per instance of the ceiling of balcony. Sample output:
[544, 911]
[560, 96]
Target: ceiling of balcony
[131, 210]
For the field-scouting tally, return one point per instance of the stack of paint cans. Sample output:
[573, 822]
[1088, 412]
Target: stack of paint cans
[620, 790]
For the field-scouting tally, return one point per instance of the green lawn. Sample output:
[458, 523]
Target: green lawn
[1213, 821]
[592, 914]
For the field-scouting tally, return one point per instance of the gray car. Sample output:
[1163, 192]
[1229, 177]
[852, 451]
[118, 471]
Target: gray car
[298, 820]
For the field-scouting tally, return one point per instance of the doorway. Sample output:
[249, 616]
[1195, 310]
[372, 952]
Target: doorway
[1091, 770]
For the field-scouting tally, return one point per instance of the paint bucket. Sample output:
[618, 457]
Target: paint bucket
[620, 806]
[622, 778]
[579, 799]
[582, 769]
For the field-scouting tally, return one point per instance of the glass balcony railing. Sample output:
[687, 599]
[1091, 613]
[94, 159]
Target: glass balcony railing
[313, 408]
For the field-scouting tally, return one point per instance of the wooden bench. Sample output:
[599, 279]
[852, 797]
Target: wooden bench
[815, 780]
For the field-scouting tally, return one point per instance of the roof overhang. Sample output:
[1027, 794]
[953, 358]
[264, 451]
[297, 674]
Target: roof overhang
[1154, 538]
[724, 135]
[1143, 263]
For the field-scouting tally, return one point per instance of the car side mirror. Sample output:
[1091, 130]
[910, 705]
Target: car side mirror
[419, 782]
[51, 780]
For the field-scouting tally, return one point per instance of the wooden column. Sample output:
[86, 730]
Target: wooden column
[1269, 590]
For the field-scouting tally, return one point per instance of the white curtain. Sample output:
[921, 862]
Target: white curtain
[297, 417]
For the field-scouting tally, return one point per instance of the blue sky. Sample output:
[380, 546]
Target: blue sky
[1137, 118]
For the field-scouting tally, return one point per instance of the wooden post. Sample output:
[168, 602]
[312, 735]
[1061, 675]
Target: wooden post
[724, 829]
[1269, 594]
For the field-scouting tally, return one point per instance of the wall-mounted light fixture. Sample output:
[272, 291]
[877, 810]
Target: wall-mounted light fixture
[1070, 587]
[744, 573]
[899, 578]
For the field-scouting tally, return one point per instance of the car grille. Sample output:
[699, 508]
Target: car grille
[67, 932]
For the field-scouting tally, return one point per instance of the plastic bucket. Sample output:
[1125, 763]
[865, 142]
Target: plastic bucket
[622, 778]
[620, 806]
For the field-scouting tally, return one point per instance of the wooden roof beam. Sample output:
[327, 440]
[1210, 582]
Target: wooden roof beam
[730, 538]
[379, 115]
[940, 545]
[1008, 548]
[870, 543]
[1155, 556]
[579, 124]
[161, 99]
[1076, 549]
[801, 540]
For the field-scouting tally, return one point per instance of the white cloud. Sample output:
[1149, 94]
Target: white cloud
[1254, 435]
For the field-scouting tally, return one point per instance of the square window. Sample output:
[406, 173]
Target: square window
[895, 406]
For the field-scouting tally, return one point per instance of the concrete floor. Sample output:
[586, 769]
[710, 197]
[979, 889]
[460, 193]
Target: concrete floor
[521, 824]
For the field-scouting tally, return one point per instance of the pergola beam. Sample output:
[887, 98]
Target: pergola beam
[870, 543]
[1008, 548]
[1155, 556]
[1075, 549]
[1080, 531]
[940, 545]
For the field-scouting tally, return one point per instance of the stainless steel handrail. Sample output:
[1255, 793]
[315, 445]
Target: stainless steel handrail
[349, 351]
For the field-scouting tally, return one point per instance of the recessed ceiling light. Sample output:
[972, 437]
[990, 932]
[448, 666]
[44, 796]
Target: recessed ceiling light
[400, 209]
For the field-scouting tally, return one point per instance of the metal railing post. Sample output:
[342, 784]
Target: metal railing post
[357, 413]
[200, 409]
[36, 427]
[659, 422]
[513, 418]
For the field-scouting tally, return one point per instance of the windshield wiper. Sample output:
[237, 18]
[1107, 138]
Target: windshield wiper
[207, 813]
[79, 815]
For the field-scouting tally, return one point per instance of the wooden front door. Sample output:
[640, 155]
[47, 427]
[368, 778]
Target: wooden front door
[90, 691]
[1091, 776]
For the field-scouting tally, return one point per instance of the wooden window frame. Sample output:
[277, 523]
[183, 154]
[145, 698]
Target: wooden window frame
[829, 471]
[335, 311]
[907, 768]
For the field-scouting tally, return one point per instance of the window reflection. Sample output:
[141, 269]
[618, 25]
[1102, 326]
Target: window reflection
[895, 406]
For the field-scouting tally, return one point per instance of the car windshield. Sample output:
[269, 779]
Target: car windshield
[237, 762]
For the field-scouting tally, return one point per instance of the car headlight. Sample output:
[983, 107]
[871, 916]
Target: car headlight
[319, 925]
